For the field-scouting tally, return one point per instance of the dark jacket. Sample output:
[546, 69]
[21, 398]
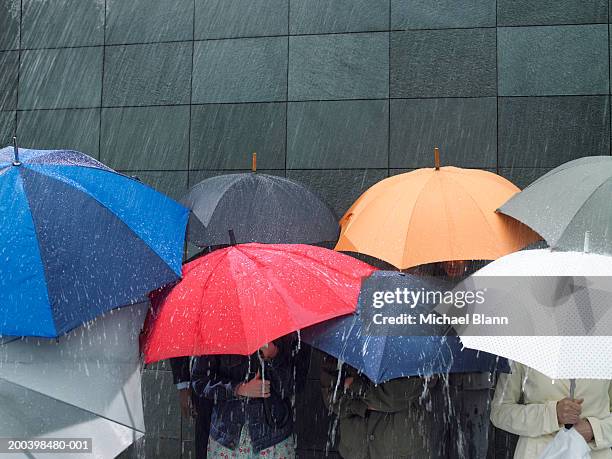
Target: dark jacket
[270, 420]
[382, 421]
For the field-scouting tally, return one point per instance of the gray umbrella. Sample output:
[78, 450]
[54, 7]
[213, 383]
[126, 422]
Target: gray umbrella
[569, 202]
[258, 208]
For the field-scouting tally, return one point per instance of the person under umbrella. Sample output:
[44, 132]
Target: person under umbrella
[535, 407]
[375, 420]
[257, 208]
[461, 399]
[389, 362]
[252, 415]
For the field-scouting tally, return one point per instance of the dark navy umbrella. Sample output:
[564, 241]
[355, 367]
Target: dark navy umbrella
[351, 339]
[78, 239]
[258, 208]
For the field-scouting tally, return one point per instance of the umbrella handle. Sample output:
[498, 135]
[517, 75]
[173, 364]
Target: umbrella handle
[571, 396]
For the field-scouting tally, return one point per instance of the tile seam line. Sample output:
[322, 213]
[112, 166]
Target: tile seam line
[353, 32]
[302, 101]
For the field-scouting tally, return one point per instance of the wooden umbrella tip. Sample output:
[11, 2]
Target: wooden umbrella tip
[254, 162]
[437, 158]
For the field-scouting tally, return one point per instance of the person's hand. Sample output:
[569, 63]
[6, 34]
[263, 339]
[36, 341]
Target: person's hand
[255, 388]
[583, 427]
[347, 382]
[269, 351]
[568, 410]
[187, 408]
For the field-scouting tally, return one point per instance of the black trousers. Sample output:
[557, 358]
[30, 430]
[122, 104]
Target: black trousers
[203, 407]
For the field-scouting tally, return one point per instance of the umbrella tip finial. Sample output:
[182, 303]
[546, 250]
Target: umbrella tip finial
[254, 162]
[437, 158]
[16, 161]
[232, 237]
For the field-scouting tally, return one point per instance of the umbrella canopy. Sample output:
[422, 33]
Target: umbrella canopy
[78, 239]
[86, 384]
[586, 307]
[432, 215]
[258, 208]
[381, 358]
[235, 300]
[567, 202]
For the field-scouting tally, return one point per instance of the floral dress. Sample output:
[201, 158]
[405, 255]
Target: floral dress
[283, 450]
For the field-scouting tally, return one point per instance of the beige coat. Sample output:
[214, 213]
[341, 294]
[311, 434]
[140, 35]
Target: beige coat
[535, 419]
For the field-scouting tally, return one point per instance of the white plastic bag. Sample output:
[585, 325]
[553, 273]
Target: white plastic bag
[567, 444]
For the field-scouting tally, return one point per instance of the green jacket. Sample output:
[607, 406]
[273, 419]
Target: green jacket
[382, 421]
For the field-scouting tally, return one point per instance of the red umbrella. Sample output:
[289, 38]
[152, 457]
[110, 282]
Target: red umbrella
[235, 300]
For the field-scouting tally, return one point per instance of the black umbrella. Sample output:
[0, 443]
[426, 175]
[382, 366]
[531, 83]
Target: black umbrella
[258, 208]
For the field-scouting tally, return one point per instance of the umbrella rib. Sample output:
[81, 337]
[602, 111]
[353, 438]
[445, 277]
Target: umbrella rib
[43, 265]
[212, 271]
[420, 192]
[80, 189]
[582, 205]
[476, 203]
[305, 255]
[284, 254]
[73, 405]
[243, 320]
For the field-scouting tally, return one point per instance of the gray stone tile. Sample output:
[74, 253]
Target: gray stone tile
[152, 446]
[162, 412]
[351, 66]
[60, 78]
[163, 365]
[338, 16]
[545, 12]
[7, 128]
[60, 129]
[465, 130]
[224, 136]
[9, 63]
[145, 21]
[145, 138]
[338, 188]
[439, 14]
[557, 60]
[170, 183]
[548, 131]
[62, 23]
[188, 450]
[9, 24]
[188, 427]
[152, 74]
[443, 63]
[322, 135]
[240, 18]
[523, 176]
[244, 70]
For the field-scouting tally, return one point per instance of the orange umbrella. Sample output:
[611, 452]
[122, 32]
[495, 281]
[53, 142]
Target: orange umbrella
[434, 214]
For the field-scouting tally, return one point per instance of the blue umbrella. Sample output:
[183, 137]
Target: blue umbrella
[381, 358]
[78, 239]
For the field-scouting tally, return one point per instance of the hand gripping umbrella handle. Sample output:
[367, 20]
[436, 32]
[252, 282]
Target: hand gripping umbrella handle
[571, 396]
